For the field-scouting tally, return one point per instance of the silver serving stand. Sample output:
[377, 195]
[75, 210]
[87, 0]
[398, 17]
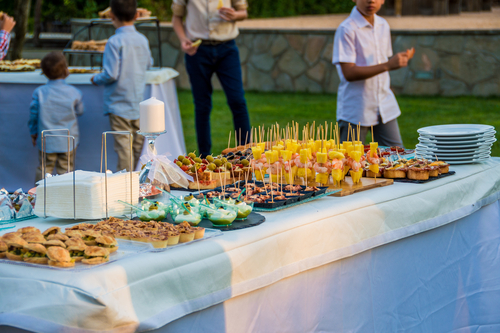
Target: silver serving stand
[44, 153]
[104, 148]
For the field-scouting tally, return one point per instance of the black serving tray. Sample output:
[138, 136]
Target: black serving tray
[412, 181]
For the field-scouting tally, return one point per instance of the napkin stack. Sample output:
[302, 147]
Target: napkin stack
[90, 198]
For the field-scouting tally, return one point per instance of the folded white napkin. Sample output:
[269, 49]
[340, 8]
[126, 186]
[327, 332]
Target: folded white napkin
[90, 198]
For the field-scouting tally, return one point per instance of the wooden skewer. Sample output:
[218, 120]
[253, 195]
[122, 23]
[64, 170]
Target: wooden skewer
[220, 177]
[197, 181]
[372, 133]
[229, 141]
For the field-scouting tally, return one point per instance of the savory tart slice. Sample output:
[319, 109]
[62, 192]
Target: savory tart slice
[59, 257]
[16, 249]
[35, 254]
[107, 242]
[95, 255]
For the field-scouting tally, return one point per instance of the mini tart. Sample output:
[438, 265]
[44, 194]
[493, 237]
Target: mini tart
[418, 173]
[121, 236]
[394, 173]
[158, 243]
[173, 239]
[199, 233]
[139, 238]
[186, 236]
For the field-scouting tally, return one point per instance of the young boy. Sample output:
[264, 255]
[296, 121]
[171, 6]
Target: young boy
[214, 25]
[7, 23]
[361, 52]
[126, 59]
[55, 106]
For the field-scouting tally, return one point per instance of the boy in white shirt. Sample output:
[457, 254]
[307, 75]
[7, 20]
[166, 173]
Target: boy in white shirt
[361, 52]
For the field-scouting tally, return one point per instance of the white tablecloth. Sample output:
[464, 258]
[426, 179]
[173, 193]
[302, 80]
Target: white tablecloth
[398, 258]
[19, 159]
[443, 280]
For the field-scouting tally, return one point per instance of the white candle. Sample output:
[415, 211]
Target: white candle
[152, 116]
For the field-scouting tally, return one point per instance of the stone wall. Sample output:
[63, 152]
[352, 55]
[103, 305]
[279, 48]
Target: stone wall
[448, 63]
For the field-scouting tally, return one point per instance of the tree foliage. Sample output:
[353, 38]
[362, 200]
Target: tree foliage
[63, 10]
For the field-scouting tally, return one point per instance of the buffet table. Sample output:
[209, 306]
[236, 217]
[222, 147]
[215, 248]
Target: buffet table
[20, 158]
[406, 257]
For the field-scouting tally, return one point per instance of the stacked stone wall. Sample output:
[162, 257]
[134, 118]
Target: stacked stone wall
[446, 63]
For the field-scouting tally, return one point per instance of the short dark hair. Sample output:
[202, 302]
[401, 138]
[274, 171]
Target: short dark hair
[124, 10]
[54, 65]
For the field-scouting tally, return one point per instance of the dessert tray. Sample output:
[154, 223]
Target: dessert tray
[126, 249]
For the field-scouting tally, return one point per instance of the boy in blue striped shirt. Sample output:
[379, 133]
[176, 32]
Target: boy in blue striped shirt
[126, 59]
[55, 106]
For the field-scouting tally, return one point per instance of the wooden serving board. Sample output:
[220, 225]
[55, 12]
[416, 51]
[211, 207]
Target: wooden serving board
[349, 188]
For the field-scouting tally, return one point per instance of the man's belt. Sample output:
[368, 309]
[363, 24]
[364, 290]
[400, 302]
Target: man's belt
[213, 42]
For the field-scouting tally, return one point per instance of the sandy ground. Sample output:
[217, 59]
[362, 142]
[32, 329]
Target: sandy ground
[464, 21]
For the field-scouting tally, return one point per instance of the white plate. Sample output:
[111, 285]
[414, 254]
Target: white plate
[456, 154]
[463, 142]
[459, 146]
[455, 129]
[458, 158]
[451, 150]
[467, 162]
[488, 134]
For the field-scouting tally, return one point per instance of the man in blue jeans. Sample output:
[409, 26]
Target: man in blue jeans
[215, 25]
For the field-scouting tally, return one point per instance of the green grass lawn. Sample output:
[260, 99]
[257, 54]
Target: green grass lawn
[269, 108]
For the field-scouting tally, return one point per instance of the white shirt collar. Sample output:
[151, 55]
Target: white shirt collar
[360, 20]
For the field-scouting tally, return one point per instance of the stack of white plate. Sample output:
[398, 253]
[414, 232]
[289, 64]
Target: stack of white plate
[456, 144]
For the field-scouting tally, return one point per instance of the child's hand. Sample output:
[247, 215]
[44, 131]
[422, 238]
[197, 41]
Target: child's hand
[7, 23]
[92, 80]
[33, 139]
[398, 60]
[187, 47]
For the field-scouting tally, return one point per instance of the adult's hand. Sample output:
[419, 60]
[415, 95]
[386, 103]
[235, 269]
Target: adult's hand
[33, 139]
[228, 14]
[398, 60]
[7, 23]
[92, 80]
[187, 47]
